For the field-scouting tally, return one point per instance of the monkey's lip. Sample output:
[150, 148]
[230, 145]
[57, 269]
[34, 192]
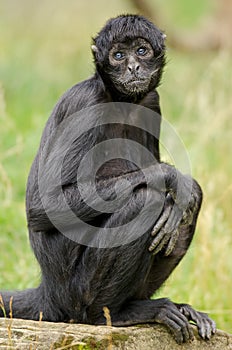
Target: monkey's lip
[136, 82]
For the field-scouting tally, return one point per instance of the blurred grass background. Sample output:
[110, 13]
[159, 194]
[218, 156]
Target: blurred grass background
[45, 49]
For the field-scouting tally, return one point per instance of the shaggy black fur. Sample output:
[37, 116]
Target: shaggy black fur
[79, 280]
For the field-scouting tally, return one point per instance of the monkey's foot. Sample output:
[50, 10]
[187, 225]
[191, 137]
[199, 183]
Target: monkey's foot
[206, 326]
[176, 318]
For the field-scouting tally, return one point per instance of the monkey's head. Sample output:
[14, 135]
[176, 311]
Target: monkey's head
[129, 54]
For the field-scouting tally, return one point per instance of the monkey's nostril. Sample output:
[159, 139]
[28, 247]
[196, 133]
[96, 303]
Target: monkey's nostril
[133, 68]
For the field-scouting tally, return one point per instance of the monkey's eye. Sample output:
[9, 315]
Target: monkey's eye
[141, 51]
[118, 55]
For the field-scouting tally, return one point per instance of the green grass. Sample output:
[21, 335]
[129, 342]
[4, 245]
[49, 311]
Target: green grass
[45, 50]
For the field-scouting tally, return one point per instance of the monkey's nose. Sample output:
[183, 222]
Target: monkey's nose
[133, 67]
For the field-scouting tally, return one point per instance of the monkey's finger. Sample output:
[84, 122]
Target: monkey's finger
[174, 219]
[157, 240]
[183, 327]
[158, 244]
[177, 324]
[172, 242]
[206, 326]
[187, 218]
[162, 220]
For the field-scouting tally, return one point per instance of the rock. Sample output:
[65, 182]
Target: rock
[32, 335]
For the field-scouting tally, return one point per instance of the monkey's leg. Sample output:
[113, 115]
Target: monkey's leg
[163, 266]
[129, 276]
[176, 317]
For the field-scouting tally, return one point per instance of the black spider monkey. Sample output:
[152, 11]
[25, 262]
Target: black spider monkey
[79, 280]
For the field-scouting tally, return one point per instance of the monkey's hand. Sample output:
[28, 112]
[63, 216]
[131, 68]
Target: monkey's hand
[181, 208]
[165, 230]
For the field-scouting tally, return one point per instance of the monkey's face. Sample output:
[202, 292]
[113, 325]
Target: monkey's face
[133, 66]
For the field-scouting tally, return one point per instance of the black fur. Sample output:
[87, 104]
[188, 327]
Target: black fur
[78, 281]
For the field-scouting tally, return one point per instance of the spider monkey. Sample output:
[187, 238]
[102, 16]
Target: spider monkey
[78, 280]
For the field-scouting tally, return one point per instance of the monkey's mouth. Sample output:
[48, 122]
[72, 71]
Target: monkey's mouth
[136, 81]
[137, 84]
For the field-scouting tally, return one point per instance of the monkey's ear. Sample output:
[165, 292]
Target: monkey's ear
[94, 49]
[164, 36]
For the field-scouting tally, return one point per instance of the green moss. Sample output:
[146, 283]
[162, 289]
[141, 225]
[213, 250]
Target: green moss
[118, 337]
[65, 340]
[93, 344]
[30, 337]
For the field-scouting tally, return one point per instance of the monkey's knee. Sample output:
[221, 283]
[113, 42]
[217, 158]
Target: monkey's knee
[197, 193]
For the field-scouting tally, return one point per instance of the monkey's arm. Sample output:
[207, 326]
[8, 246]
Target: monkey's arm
[58, 202]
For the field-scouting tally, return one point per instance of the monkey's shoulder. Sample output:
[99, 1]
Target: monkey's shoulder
[82, 95]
